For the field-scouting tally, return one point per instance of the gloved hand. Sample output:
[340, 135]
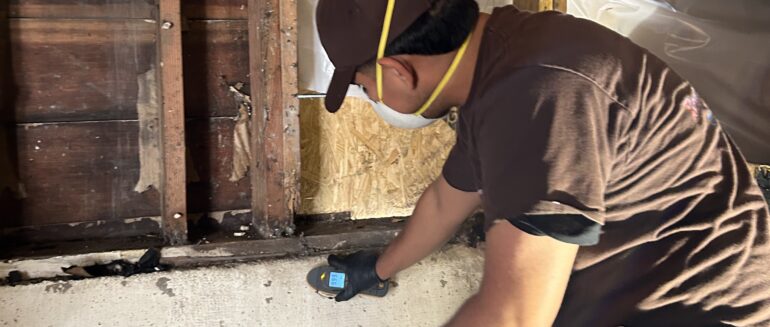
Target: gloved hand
[360, 271]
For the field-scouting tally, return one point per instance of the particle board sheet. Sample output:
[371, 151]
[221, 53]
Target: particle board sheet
[353, 161]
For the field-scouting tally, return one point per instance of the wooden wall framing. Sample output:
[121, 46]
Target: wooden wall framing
[275, 115]
[173, 179]
[219, 35]
[199, 49]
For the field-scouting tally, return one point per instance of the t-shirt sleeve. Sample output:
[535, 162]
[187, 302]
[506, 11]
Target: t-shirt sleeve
[545, 155]
[458, 170]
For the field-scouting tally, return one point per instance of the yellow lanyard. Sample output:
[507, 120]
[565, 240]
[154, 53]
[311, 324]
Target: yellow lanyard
[381, 54]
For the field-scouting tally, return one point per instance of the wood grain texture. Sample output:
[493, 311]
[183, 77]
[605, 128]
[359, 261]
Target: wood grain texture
[215, 9]
[172, 123]
[82, 9]
[77, 172]
[216, 55]
[258, 63]
[140, 9]
[210, 145]
[74, 70]
[275, 141]
[84, 172]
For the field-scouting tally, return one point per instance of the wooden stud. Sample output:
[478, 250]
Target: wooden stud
[173, 174]
[275, 121]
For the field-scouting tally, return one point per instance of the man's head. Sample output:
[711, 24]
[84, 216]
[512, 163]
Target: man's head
[421, 32]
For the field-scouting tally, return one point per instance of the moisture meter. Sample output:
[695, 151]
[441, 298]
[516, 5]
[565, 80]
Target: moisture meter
[329, 280]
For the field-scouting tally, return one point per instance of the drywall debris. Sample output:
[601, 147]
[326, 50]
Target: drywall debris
[14, 277]
[148, 110]
[241, 134]
[51, 267]
[148, 263]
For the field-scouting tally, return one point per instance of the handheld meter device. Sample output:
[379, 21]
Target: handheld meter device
[327, 279]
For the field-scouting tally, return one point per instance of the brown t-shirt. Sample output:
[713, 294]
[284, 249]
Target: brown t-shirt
[572, 131]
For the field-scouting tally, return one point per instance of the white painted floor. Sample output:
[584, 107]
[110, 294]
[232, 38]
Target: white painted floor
[269, 293]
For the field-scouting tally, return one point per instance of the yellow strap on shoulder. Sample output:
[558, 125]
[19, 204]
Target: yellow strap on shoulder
[447, 76]
[384, 44]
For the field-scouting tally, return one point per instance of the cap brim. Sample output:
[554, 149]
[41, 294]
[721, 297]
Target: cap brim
[338, 88]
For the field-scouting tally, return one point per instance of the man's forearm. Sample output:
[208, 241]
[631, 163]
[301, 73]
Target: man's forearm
[476, 313]
[437, 216]
[525, 278]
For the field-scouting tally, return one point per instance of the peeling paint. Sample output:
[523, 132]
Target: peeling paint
[148, 110]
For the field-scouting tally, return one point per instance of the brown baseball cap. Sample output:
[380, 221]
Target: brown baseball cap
[350, 33]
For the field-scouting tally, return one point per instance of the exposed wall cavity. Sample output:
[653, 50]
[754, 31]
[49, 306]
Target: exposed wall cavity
[148, 110]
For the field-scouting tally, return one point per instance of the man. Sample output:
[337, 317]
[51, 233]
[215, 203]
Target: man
[611, 195]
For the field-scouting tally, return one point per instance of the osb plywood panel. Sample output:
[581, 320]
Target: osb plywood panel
[353, 161]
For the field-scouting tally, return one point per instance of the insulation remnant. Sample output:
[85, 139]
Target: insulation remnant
[8, 176]
[148, 110]
[219, 216]
[241, 134]
[353, 161]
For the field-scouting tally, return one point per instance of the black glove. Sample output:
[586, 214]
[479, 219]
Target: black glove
[360, 271]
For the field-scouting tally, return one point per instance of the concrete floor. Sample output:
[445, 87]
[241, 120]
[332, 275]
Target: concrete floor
[269, 293]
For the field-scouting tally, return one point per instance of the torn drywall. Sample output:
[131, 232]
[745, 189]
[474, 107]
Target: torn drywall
[241, 134]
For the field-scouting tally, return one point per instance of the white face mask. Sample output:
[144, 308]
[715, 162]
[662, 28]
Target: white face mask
[397, 119]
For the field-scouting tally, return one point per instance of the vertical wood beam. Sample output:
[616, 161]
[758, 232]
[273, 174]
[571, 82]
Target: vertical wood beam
[275, 118]
[173, 172]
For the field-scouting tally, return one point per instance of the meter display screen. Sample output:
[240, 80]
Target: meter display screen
[336, 280]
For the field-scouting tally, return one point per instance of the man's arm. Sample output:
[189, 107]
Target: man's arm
[438, 215]
[525, 277]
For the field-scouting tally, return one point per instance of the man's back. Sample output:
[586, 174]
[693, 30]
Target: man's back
[685, 239]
